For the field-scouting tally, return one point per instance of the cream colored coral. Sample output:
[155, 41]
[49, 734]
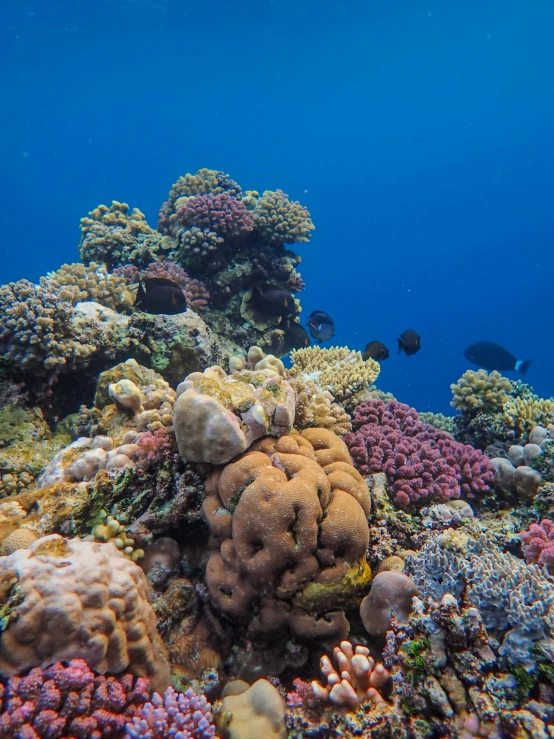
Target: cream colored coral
[523, 414]
[78, 599]
[315, 407]
[94, 283]
[481, 391]
[337, 369]
[107, 528]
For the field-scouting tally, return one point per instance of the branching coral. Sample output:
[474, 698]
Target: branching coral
[222, 214]
[181, 715]
[342, 372]
[438, 420]
[538, 543]
[479, 391]
[315, 407]
[280, 220]
[523, 414]
[93, 282]
[357, 679]
[420, 462]
[69, 700]
[118, 237]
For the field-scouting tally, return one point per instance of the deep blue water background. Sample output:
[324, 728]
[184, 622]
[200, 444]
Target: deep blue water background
[419, 134]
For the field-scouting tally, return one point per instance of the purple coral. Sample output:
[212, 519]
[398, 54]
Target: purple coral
[69, 700]
[538, 543]
[195, 291]
[222, 213]
[421, 462]
[180, 715]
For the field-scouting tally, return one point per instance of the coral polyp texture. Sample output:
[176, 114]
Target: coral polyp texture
[280, 220]
[222, 214]
[421, 462]
[181, 715]
[289, 530]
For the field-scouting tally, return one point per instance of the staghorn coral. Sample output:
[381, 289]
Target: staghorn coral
[289, 536]
[524, 413]
[421, 463]
[71, 598]
[538, 544]
[93, 283]
[118, 237]
[69, 700]
[221, 214]
[315, 407]
[342, 372]
[181, 715]
[195, 291]
[280, 220]
[356, 680]
[481, 391]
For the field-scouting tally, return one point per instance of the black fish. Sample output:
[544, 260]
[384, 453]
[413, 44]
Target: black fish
[492, 356]
[409, 342]
[376, 350]
[158, 295]
[297, 336]
[321, 325]
[274, 300]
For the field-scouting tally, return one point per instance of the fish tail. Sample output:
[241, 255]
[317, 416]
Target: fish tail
[523, 366]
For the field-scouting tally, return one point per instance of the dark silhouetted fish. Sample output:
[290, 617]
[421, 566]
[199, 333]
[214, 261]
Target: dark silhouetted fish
[321, 325]
[297, 336]
[274, 300]
[158, 295]
[409, 342]
[376, 350]
[492, 356]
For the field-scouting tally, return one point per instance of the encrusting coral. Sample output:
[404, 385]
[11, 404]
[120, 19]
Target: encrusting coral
[289, 530]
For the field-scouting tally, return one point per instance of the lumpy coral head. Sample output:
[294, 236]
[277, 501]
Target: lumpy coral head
[68, 599]
[421, 462]
[289, 535]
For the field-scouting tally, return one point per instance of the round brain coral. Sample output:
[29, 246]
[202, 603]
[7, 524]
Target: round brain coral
[70, 599]
[289, 535]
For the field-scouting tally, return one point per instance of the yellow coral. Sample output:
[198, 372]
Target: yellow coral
[342, 372]
[107, 528]
[281, 220]
[94, 283]
[523, 414]
[315, 407]
[480, 391]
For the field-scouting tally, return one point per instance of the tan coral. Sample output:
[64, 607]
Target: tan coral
[481, 391]
[18, 539]
[78, 599]
[342, 372]
[280, 220]
[315, 407]
[523, 414]
[95, 283]
[289, 532]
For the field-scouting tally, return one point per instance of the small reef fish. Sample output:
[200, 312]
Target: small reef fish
[274, 300]
[492, 356]
[297, 336]
[158, 295]
[376, 350]
[321, 325]
[409, 342]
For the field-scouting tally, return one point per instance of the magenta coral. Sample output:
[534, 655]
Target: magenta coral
[69, 700]
[182, 715]
[538, 543]
[421, 462]
[195, 291]
[153, 447]
[222, 213]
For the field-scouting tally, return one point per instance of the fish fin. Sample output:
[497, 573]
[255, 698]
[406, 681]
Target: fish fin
[141, 294]
[523, 366]
[400, 346]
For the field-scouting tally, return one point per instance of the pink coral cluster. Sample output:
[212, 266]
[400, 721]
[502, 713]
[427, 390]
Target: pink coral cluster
[182, 715]
[421, 462]
[195, 291]
[222, 213]
[538, 544]
[69, 700]
[153, 447]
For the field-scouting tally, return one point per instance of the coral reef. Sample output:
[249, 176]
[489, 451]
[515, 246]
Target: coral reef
[184, 715]
[94, 283]
[479, 391]
[195, 291]
[255, 711]
[280, 220]
[538, 544]
[289, 536]
[421, 462]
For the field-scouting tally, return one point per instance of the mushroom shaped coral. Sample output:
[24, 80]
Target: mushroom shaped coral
[391, 594]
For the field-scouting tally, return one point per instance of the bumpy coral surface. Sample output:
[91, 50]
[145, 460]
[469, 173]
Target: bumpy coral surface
[421, 462]
[480, 390]
[94, 283]
[316, 407]
[281, 220]
[289, 535]
[67, 599]
[181, 715]
[69, 700]
[222, 213]
[525, 413]
[337, 369]
[538, 543]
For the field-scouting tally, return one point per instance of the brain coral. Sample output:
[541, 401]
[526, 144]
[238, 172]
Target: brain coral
[289, 535]
[339, 370]
[421, 462]
[280, 220]
[69, 599]
[480, 391]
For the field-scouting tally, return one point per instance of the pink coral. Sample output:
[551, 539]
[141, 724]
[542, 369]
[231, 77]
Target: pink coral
[538, 543]
[195, 291]
[421, 462]
[184, 715]
[222, 213]
[69, 700]
[154, 447]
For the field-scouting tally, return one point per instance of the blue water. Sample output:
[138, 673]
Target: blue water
[419, 135]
